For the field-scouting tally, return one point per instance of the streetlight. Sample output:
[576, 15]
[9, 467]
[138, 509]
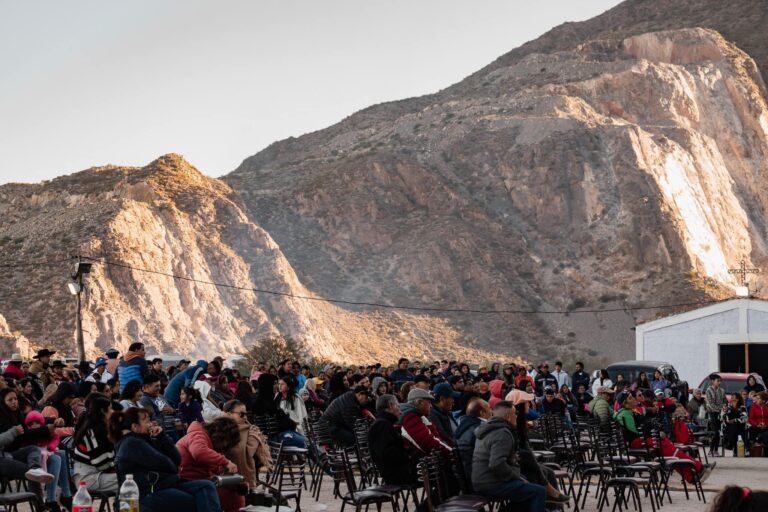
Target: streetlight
[76, 287]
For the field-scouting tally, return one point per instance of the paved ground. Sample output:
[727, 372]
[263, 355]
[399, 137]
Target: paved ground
[745, 472]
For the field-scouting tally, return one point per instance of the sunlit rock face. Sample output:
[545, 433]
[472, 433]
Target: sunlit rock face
[618, 171]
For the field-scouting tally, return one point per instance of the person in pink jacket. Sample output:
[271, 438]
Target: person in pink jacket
[202, 456]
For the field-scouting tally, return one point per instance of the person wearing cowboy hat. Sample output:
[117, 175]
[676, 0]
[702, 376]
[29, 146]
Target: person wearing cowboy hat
[13, 370]
[40, 371]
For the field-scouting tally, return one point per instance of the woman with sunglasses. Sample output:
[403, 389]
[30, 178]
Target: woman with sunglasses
[252, 452]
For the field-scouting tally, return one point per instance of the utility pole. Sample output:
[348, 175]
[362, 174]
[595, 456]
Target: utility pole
[76, 288]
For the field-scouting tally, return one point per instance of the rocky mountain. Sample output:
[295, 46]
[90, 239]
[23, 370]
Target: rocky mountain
[610, 164]
[617, 172]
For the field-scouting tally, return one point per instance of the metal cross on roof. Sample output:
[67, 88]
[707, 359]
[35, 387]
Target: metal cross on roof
[743, 271]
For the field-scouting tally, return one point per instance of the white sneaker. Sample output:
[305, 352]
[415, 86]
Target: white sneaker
[38, 475]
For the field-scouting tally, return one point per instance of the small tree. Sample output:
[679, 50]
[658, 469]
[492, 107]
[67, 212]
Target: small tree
[272, 350]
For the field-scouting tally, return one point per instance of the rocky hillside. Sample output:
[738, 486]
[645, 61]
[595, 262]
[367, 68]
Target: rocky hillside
[609, 164]
[166, 218]
[615, 172]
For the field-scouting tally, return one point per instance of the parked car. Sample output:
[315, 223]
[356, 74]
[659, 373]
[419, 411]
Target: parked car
[731, 382]
[631, 369]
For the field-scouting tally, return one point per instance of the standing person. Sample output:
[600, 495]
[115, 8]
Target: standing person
[202, 456]
[580, 376]
[144, 451]
[659, 382]
[133, 366]
[112, 361]
[94, 453]
[495, 465]
[402, 374]
[544, 379]
[604, 380]
[156, 368]
[561, 375]
[715, 403]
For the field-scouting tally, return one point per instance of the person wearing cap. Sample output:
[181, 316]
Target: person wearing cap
[343, 412]
[13, 370]
[544, 379]
[388, 452]
[496, 471]
[41, 370]
[112, 360]
[440, 414]
[600, 406]
[100, 370]
[418, 431]
[630, 423]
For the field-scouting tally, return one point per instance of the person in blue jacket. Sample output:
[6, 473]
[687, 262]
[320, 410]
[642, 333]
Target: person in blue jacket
[133, 365]
[182, 380]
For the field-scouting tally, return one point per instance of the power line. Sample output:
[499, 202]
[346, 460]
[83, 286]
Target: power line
[34, 263]
[433, 309]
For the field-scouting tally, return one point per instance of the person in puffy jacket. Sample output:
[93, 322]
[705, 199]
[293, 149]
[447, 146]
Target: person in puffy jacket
[341, 415]
[133, 366]
[202, 456]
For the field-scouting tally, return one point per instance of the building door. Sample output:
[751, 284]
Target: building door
[758, 358]
[733, 358]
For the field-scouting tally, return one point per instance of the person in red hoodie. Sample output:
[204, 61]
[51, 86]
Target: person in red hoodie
[496, 392]
[202, 456]
[13, 370]
[758, 419]
[523, 377]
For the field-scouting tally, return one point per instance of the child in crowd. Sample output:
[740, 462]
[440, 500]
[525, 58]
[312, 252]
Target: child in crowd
[48, 446]
[190, 408]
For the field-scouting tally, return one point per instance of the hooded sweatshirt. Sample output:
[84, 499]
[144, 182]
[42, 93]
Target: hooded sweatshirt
[182, 380]
[210, 411]
[496, 392]
[494, 461]
[53, 442]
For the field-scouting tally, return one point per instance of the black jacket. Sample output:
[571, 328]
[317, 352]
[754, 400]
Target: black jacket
[465, 441]
[343, 412]
[389, 453]
[139, 455]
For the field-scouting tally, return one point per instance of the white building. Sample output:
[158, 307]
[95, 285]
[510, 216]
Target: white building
[730, 336]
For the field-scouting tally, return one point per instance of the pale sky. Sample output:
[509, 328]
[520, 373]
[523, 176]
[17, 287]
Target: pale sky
[85, 83]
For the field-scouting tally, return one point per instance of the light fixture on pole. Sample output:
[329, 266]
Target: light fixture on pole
[75, 287]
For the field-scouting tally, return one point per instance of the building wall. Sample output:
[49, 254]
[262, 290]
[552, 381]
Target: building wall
[686, 345]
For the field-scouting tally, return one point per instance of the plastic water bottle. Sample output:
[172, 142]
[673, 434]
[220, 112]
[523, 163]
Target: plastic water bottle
[740, 447]
[129, 495]
[82, 501]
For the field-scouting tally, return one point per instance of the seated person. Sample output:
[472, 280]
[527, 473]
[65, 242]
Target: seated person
[146, 452]
[342, 414]
[758, 419]
[419, 433]
[202, 456]
[93, 452]
[386, 444]
[495, 466]
[629, 421]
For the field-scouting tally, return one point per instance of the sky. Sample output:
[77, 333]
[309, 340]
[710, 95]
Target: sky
[94, 82]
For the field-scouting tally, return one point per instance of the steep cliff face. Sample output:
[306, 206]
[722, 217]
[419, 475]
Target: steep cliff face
[165, 218]
[616, 172]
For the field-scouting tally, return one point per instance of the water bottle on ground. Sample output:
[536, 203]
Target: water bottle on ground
[129, 495]
[740, 447]
[82, 501]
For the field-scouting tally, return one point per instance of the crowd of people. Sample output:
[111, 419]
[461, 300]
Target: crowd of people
[174, 428]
